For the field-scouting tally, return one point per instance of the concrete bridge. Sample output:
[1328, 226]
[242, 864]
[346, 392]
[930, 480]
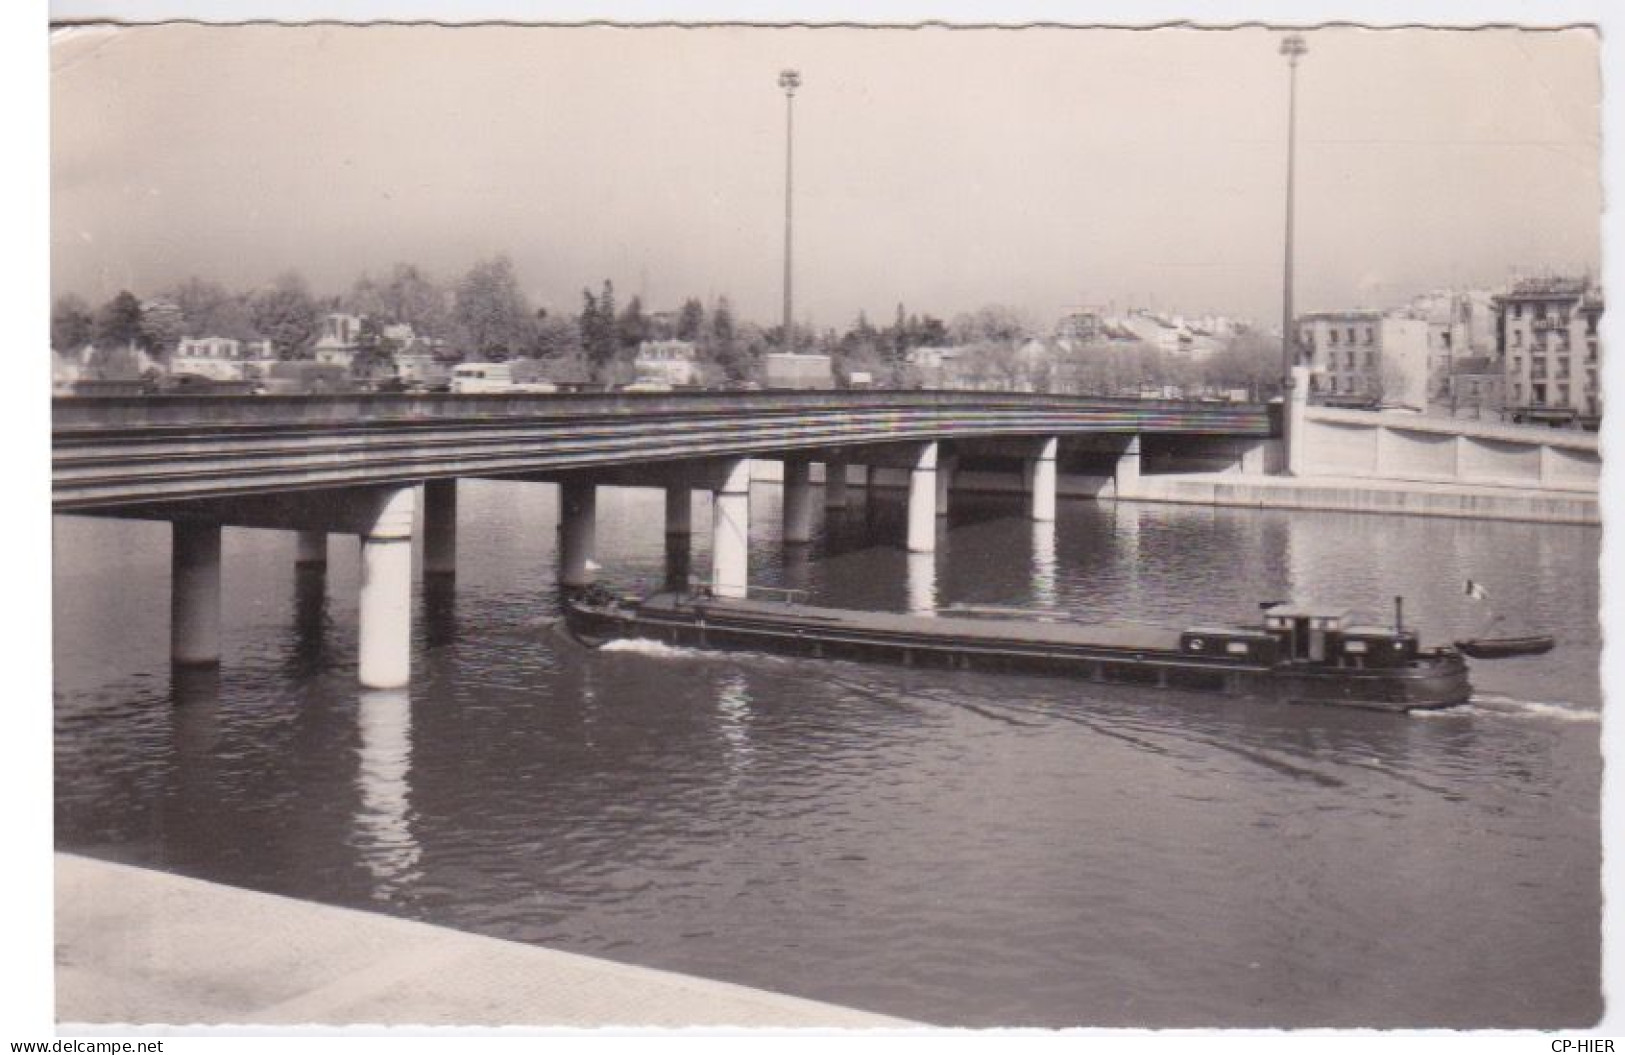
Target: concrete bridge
[385, 468]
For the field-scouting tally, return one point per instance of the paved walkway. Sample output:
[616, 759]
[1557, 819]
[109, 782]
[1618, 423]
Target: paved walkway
[143, 947]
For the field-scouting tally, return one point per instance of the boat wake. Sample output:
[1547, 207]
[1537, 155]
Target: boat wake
[1508, 706]
[640, 646]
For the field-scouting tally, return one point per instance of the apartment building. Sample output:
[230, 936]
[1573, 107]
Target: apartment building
[1549, 343]
[1366, 354]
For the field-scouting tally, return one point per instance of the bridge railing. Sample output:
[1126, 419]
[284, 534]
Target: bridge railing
[71, 413]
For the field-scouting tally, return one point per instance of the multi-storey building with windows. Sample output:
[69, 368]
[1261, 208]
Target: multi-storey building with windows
[1461, 326]
[222, 358]
[339, 342]
[1366, 355]
[1548, 339]
[672, 363]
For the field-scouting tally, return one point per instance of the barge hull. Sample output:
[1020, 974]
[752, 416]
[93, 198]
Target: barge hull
[812, 633]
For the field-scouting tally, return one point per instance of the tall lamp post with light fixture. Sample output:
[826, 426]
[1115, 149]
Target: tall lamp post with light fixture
[1294, 48]
[789, 80]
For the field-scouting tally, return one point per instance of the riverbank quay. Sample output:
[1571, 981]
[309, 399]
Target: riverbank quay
[140, 947]
[1335, 493]
[1354, 495]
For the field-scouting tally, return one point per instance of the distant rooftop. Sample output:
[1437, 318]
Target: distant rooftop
[1348, 313]
[1551, 286]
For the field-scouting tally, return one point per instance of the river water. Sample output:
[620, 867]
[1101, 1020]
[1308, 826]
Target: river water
[951, 847]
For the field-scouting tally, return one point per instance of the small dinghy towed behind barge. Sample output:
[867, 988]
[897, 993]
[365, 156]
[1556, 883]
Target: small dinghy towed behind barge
[1298, 655]
[1505, 647]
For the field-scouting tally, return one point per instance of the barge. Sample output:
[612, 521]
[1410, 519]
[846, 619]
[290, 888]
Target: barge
[1296, 655]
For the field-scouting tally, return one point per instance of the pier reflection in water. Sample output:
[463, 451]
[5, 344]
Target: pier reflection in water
[383, 828]
[946, 846]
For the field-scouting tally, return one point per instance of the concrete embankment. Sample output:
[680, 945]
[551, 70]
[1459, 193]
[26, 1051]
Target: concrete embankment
[141, 947]
[1344, 494]
[1347, 493]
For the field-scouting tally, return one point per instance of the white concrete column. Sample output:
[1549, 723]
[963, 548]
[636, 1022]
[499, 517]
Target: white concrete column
[922, 501]
[834, 485]
[440, 527]
[1295, 423]
[1044, 563]
[797, 500]
[578, 530]
[1127, 475]
[194, 599]
[386, 592]
[922, 584]
[945, 479]
[1041, 495]
[312, 548]
[679, 511]
[730, 531]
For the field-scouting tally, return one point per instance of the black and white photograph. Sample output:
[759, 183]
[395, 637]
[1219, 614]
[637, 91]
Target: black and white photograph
[1080, 523]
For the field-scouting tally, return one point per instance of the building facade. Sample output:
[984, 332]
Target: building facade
[421, 368]
[1551, 349]
[674, 363]
[1461, 326]
[797, 370]
[1366, 355]
[222, 358]
[339, 342]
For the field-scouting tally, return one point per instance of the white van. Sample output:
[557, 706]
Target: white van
[473, 378]
[467, 378]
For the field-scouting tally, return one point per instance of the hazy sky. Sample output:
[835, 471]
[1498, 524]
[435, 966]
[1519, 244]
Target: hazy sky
[945, 169]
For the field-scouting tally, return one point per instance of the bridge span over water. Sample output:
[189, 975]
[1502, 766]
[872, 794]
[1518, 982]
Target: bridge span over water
[384, 468]
[109, 453]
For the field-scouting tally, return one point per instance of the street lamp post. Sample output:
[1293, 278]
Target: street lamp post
[1293, 48]
[789, 80]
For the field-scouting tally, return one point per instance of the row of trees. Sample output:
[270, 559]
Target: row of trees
[485, 315]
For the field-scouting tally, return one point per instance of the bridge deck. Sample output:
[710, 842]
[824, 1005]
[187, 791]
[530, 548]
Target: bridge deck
[120, 451]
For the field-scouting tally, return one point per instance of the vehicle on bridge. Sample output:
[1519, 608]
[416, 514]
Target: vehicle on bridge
[1298, 655]
[490, 378]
